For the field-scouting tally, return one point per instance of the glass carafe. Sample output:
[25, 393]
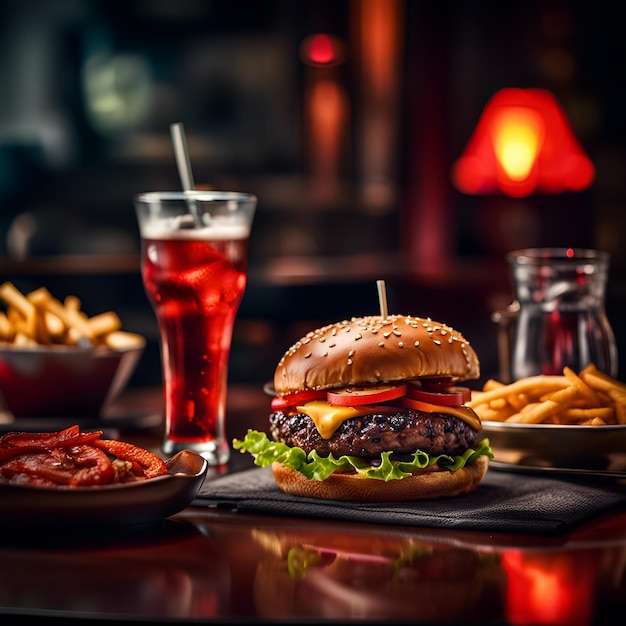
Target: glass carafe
[561, 319]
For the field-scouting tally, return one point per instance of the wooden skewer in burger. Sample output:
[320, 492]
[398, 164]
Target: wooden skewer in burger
[369, 410]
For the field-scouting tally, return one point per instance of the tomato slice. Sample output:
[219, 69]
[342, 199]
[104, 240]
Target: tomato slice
[354, 396]
[279, 403]
[452, 396]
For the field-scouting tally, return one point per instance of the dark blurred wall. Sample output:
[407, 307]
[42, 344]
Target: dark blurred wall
[90, 88]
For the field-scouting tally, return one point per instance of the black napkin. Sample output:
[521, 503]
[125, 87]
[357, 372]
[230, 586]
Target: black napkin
[504, 502]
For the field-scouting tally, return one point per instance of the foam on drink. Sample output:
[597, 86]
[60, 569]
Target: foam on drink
[177, 229]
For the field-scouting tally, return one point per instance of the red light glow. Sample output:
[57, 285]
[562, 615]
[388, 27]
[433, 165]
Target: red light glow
[322, 50]
[547, 589]
[523, 144]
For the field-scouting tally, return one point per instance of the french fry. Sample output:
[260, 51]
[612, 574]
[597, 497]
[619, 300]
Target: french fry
[21, 340]
[596, 421]
[540, 412]
[104, 324]
[121, 340]
[494, 414]
[499, 404]
[531, 384]
[72, 302]
[567, 395]
[597, 383]
[603, 381]
[54, 326]
[7, 332]
[580, 385]
[492, 384]
[38, 318]
[605, 413]
[589, 398]
[18, 302]
[14, 298]
[42, 335]
[74, 321]
[517, 400]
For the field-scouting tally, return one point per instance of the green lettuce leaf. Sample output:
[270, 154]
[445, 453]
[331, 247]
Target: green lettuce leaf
[316, 467]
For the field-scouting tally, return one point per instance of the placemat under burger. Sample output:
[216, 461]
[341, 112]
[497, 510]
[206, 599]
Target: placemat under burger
[504, 502]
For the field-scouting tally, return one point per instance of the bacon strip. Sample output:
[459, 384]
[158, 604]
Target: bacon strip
[15, 444]
[151, 464]
[70, 458]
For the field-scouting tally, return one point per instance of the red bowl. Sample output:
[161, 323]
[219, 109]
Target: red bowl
[56, 381]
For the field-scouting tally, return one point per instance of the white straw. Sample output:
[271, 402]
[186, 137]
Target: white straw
[182, 156]
[184, 166]
[382, 298]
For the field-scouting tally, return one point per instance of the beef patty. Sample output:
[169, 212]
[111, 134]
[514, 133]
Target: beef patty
[368, 436]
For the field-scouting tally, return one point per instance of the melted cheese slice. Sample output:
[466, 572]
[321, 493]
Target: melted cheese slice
[328, 417]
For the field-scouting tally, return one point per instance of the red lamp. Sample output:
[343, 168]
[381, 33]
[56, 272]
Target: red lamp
[523, 144]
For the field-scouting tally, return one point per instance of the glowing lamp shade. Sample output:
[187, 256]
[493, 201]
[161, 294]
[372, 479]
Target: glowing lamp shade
[523, 144]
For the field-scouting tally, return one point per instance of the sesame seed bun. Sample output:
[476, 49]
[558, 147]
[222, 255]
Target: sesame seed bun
[373, 350]
[428, 485]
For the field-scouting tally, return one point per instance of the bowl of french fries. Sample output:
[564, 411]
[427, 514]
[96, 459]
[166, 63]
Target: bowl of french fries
[576, 420]
[56, 361]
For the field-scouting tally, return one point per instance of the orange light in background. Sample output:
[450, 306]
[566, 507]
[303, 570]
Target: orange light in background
[523, 144]
[326, 112]
[378, 55]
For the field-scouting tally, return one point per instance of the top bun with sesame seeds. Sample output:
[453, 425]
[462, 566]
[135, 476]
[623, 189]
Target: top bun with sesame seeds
[370, 410]
[374, 350]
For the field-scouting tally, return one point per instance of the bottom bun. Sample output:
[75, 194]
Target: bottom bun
[430, 485]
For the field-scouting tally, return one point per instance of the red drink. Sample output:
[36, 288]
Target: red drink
[195, 256]
[195, 280]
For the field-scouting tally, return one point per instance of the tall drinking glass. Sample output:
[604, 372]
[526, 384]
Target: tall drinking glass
[194, 269]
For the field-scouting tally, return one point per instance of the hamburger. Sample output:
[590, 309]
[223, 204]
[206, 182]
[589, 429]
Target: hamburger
[370, 409]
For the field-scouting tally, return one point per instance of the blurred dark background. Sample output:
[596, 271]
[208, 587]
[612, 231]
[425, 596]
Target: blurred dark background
[350, 160]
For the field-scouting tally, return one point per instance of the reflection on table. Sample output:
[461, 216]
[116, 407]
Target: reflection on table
[169, 571]
[209, 564]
